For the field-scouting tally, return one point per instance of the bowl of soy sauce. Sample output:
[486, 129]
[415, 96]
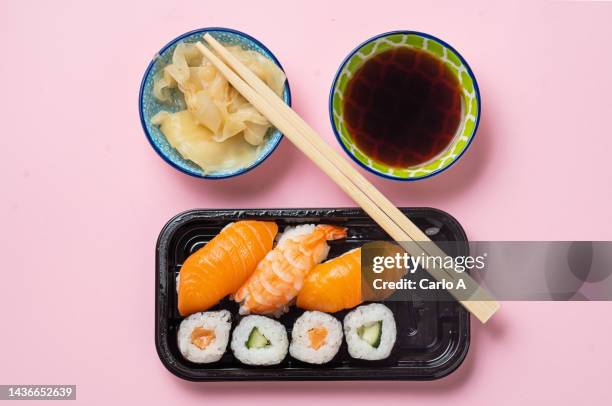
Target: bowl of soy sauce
[405, 105]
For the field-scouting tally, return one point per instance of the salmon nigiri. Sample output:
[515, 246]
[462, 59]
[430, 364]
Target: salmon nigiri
[333, 285]
[220, 267]
[341, 283]
[280, 275]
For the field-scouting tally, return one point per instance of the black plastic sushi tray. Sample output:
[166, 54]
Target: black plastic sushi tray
[432, 336]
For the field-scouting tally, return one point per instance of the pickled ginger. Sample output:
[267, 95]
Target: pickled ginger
[219, 129]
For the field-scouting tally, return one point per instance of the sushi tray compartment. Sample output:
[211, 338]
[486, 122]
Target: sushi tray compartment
[432, 337]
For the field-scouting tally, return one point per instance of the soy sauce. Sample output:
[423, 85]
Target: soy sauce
[403, 107]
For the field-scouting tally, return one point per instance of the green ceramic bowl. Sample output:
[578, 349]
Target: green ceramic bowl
[470, 102]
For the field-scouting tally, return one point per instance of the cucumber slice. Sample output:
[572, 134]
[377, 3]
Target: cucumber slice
[256, 339]
[371, 333]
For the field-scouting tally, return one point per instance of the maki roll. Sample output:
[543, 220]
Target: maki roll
[203, 337]
[370, 332]
[316, 338]
[259, 340]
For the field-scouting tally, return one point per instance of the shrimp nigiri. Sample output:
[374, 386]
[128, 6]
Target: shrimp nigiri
[223, 265]
[280, 275]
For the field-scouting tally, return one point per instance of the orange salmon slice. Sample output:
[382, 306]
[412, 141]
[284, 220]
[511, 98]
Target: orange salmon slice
[220, 267]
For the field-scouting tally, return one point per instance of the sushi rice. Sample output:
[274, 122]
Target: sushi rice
[306, 347]
[292, 232]
[203, 337]
[368, 316]
[271, 332]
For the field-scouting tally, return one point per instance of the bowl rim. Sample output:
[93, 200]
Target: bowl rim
[141, 97]
[337, 77]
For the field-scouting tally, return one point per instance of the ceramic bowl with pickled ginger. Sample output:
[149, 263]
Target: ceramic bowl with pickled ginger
[195, 120]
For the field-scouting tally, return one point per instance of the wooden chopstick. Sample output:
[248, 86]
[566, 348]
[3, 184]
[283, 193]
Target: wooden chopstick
[351, 181]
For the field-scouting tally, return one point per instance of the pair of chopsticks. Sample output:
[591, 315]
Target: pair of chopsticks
[373, 202]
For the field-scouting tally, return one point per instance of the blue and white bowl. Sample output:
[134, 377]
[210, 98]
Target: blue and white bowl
[149, 105]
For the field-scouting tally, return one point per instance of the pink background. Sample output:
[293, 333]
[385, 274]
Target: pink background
[84, 196]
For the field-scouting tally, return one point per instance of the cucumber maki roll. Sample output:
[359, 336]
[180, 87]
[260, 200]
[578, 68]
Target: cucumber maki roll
[370, 332]
[259, 340]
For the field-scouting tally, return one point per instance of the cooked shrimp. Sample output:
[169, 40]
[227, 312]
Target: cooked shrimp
[279, 276]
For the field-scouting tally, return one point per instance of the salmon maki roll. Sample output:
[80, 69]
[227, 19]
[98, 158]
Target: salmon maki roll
[223, 265]
[333, 285]
[280, 275]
